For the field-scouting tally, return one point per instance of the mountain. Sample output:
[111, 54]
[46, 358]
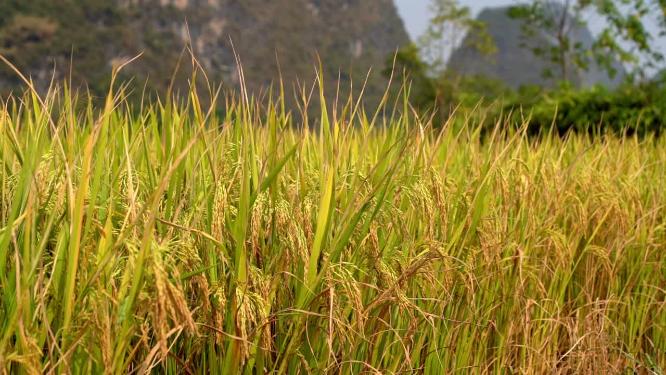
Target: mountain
[350, 37]
[515, 63]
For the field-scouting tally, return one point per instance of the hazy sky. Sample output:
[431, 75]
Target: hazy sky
[415, 14]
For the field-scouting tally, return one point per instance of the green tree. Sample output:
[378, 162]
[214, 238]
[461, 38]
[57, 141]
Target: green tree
[424, 64]
[449, 24]
[624, 37]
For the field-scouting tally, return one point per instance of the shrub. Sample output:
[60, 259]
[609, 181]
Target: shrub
[631, 109]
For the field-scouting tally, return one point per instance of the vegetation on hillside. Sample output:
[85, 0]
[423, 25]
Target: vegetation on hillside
[274, 39]
[166, 238]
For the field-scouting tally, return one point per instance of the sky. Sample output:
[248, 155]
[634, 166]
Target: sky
[415, 15]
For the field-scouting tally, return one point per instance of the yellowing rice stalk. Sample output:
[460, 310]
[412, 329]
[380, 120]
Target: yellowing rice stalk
[170, 239]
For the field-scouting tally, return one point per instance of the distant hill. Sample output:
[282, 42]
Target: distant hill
[350, 36]
[517, 65]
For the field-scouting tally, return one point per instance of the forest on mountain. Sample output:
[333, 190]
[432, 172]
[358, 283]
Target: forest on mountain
[280, 39]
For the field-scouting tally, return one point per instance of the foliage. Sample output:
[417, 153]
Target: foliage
[279, 38]
[442, 95]
[422, 66]
[631, 109]
[449, 23]
[43, 37]
[168, 239]
[624, 37]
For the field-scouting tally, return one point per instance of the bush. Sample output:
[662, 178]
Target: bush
[631, 109]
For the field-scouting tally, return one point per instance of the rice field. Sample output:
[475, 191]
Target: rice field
[190, 237]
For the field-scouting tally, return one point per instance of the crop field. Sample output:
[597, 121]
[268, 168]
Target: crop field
[179, 237]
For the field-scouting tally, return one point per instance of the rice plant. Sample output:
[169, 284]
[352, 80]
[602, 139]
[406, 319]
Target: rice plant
[169, 238]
